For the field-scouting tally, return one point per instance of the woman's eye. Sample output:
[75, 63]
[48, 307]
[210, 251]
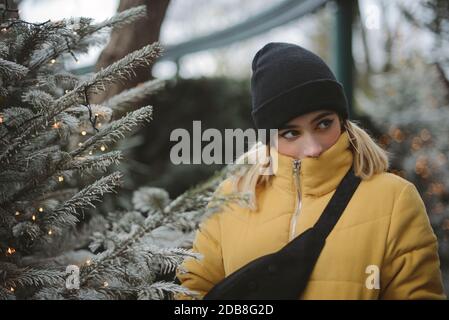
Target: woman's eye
[289, 134]
[326, 123]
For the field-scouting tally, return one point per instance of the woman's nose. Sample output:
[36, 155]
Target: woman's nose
[312, 150]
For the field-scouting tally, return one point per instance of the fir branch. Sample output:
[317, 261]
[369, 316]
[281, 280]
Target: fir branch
[170, 258]
[154, 220]
[80, 38]
[118, 70]
[22, 277]
[100, 162]
[158, 290]
[67, 213]
[16, 116]
[36, 38]
[40, 100]
[12, 71]
[116, 130]
[188, 200]
[26, 229]
[122, 69]
[66, 80]
[121, 19]
[130, 98]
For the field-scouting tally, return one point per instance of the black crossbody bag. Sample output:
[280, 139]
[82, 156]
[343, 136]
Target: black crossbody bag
[284, 274]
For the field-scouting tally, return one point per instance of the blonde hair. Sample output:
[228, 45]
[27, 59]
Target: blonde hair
[369, 159]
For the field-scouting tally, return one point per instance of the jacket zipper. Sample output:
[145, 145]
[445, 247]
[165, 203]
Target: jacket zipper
[296, 169]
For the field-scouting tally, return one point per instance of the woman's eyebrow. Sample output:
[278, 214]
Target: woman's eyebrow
[318, 117]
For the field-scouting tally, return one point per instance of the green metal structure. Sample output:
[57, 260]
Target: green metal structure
[275, 16]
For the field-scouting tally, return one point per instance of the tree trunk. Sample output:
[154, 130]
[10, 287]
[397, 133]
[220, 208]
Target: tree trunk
[8, 10]
[130, 38]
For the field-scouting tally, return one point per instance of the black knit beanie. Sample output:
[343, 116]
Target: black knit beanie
[289, 81]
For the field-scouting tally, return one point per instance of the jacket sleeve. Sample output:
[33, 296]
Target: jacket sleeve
[201, 275]
[411, 268]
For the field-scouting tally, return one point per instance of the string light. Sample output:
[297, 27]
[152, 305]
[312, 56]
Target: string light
[60, 178]
[49, 232]
[99, 124]
[41, 209]
[437, 188]
[83, 133]
[52, 61]
[10, 251]
[446, 224]
[102, 148]
[105, 284]
[439, 208]
[425, 134]
[88, 262]
[57, 125]
[90, 152]
[398, 135]
[12, 289]
[416, 143]
[80, 144]
[384, 139]
[441, 159]
[33, 217]
[1, 118]
[17, 213]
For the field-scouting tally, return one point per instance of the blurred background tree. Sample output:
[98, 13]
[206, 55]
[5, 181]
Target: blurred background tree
[132, 37]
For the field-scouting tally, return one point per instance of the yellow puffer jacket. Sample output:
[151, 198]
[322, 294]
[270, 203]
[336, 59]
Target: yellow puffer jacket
[384, 228]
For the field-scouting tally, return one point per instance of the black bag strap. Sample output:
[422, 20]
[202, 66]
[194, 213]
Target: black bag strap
[337, 204]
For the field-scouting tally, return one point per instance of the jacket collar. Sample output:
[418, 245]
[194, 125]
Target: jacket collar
[317, 176]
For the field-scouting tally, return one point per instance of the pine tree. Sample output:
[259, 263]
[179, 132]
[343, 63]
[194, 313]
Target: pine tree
[42, 108]
[50, 138]
[141, 249]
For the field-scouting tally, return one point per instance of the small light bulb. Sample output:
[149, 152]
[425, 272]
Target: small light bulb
[56, 125]
[99, 124]
[17, 213]
[1, 119]
[10, 251]
[105, 284]
[41, 209]
[88, 262]
[74, 32]
[60, 178]
[53, 61]
[80, 144]
[4, 30]
[49, 232]
[102, 148]
[90, 152]
[83, 133]
[12, 289]
[33, 217]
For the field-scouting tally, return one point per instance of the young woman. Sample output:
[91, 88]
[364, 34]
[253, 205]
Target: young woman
[382, 247]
